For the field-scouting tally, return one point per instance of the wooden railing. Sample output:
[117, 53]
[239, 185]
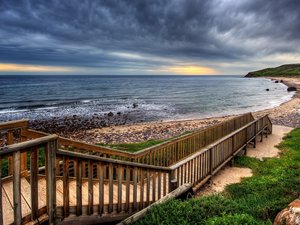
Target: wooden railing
[13, 132]
[172, 151]
[114, 187]
[46, 144]
[202, 165]
[81, 184]
[164, 154]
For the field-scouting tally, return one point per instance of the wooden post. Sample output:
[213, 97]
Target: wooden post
[17, 188]
[34, 182]
[173, 184]
[51, 181]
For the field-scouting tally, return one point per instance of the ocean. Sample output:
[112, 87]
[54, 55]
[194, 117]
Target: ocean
[148, 98]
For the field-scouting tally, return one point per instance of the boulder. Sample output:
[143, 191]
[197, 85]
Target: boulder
[276, 81]
[292, 89]
[289, 215]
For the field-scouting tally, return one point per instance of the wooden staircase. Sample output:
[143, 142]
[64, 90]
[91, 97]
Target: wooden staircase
[48, 178]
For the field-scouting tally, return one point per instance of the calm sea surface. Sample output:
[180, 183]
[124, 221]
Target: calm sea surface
[157, 97]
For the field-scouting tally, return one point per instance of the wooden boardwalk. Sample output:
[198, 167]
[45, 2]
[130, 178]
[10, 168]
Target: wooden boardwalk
[48, 178]
[7, 196]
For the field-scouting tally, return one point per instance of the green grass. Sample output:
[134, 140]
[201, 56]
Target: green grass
[256, 200]
[134, 147]
[281, 71]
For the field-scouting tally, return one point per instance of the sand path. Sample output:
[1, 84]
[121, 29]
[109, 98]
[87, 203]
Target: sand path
[231, 175]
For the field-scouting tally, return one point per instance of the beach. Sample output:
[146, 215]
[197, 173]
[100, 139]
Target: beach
[286, 114]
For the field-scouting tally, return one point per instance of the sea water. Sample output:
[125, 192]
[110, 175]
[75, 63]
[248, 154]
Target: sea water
[155, 97]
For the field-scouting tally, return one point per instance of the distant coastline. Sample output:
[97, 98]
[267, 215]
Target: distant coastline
[288, 70]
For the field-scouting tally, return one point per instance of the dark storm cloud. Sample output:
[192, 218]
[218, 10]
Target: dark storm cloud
[93, 33]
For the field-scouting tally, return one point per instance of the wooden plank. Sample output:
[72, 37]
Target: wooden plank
[101, 188]
[141, 188]
[127, 201]
[120, 178]
[148, 187]
[90, 188]
[13, 124]
[111, 188]
[153, 186]
[66, 191]
[135, 180]
[17, 188]
[159, 185]
[34, 183]
[78, 174]
[51, 149]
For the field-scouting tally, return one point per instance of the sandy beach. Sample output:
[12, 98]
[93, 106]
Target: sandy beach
[287, 114]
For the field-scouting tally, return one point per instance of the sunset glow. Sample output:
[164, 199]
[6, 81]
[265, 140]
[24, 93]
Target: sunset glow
[6, 67]
[192, 70]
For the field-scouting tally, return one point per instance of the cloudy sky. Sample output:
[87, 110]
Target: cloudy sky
[147, 37]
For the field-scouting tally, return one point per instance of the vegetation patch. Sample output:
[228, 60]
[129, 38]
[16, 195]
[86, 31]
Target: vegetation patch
[256, 200]
[280, 71]
[135, 147]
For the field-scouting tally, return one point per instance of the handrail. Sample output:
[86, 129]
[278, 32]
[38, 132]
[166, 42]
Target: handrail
[14, 124]
[108, 160]
[184, 137]
[134, 155]
[27, 144]
[206, 148]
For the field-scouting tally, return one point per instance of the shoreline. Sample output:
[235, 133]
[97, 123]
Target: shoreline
[120, 129]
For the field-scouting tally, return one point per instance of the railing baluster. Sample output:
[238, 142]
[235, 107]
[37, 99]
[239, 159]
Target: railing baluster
[78, 172]
[111, 187]
[17, 188]
[127, 189]
[101, 187]
[120, 179]
[135, 180]
[66, 202]
[34, 183]
[90, 188]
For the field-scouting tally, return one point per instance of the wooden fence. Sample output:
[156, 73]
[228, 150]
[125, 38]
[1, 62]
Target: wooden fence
[164, 154]
[72, 183]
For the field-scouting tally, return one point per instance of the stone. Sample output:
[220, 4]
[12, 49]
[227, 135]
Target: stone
[110, 114]
[292, 89]
[267, 89]
[276, 81]
[289, 215]
[135, 105]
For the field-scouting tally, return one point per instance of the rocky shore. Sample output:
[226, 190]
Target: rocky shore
[121, 128]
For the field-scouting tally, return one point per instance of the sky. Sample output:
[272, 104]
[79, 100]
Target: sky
[147, 37]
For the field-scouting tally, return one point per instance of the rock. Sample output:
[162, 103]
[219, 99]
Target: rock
[267, 89]
[110, 114]
[289, 215]
[119, 113]
[292, 89]
[135, 105]
[276, 81]
[281, 81]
